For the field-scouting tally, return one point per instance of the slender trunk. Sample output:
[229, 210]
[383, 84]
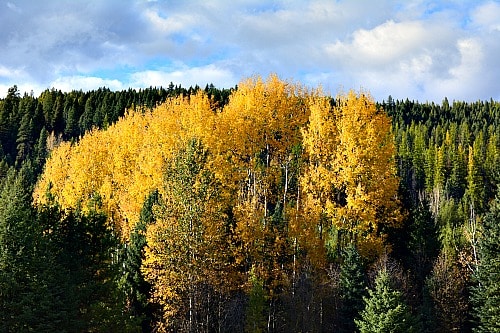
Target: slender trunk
[190, 324]
[270, 318]
[321, 313]
[219, 314]
[286, 187]
[294, 272]
[208, 313]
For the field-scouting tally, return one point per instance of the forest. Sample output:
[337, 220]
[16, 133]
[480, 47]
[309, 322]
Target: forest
[265, 207]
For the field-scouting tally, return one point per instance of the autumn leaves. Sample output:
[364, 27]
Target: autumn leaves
[268, 184]
[351, 173]
[275, 145]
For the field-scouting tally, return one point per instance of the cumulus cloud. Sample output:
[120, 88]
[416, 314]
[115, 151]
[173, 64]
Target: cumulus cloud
[417, 49]
[85, 83]
[186, 76]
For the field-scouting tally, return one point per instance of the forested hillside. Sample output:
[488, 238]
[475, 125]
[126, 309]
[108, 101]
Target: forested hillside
[267, 207]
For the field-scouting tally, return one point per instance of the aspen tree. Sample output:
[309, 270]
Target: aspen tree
[352, 171]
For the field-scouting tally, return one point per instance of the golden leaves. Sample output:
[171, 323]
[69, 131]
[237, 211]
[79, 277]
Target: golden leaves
[351, 168]
[124, 163]
[272, 136]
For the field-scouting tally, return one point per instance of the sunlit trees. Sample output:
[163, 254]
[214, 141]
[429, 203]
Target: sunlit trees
[299, 177]
[186, 257]
[123, 164]
[257, 156]
[352, 172]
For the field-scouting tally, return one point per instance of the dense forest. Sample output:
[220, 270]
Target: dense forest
[267, 207]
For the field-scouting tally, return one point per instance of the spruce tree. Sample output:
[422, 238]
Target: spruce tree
[385, 309]
[30, 295]
[352, 288]
[486, 293]
[135, 287]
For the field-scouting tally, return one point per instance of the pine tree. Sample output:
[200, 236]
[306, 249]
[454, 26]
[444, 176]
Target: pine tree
[486, 293]
[25, 138]
[255, 312]
[385, 309]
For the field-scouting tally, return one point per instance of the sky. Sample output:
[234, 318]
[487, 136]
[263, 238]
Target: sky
[415, 49]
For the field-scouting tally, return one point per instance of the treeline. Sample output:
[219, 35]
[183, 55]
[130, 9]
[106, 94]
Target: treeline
[270, 207]
[29, 125]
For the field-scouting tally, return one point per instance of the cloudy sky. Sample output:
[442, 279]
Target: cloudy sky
[416, 49]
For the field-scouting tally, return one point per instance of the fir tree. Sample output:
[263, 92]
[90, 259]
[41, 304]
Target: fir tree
[135, 287]
[30, 295]
[486, 294]
[352, 288]
[385, 310]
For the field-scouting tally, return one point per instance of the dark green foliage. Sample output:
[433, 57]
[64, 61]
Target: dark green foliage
[87, 269]
[352, 283]
[71, 114]
[255, 313]
[132, 282]
[385, 309]
[57, 272]
[32, 297]
[40, 152]
[9, 123]
[486, 292]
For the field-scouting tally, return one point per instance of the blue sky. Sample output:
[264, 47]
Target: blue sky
[421, 50]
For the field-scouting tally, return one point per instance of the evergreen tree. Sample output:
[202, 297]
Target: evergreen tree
[25, 140]
[71, 129]
[385, 310]
[133, 283]
[30, 296]
[255, 312]
[40, 153]
[9, 123]
[352, 288]
[486, 294]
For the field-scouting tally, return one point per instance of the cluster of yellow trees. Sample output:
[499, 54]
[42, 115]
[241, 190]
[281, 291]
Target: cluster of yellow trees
[261, 186]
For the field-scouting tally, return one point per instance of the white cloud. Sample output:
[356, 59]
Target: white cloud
[9, 73]
[13, 7]
[388, 43]
[416, 48]
[169, 25]
[471, 55]
[85, 83]
[184, 75]
[487, 16]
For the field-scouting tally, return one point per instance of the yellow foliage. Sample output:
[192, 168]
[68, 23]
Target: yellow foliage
[351, 171]
[124, 163]
[257, 144]
[187, 249]
[253, 144]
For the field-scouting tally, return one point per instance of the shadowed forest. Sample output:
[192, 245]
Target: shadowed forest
[266, 207]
